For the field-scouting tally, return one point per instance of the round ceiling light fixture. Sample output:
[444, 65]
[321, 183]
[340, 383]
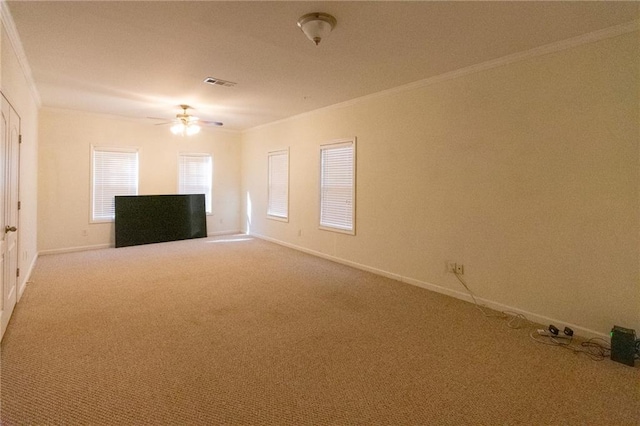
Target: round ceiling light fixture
[316, 25]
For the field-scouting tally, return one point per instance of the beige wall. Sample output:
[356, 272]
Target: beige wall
[527, 173]
[64, 177]
[16, 88]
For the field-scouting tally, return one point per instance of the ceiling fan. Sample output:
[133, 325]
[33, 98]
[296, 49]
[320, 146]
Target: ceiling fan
[186, 124]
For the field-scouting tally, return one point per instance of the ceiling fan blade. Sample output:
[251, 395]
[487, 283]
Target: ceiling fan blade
[165, 120]
[210, 123]
[186, 118]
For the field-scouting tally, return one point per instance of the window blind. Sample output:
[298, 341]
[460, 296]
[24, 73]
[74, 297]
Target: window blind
[115, 172]
[337, 186]
[278, 191]
[195, 176]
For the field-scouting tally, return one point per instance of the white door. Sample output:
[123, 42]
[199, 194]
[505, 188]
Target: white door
[9, 171]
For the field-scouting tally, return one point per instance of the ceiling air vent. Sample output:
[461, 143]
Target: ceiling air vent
[218, 82]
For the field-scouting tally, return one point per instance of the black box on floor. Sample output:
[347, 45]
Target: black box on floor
[623, 345]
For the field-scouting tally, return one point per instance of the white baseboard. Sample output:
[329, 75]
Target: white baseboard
[228, 232]
[74, 249]
[531, 316]
[23, 285]
[496, 306]
[104, 246]
[329, 257]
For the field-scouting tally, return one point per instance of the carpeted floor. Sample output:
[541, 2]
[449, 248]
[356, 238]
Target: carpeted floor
[235, 330]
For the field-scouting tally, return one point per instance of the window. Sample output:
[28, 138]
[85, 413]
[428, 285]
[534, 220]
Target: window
[195, 176]
[278, 191]
[114, 172]
[337, 186]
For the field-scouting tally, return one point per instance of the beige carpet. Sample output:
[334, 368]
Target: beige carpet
[212, 331]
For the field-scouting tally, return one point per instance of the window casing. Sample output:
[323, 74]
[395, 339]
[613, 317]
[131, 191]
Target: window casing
[195, 176]
[338, 186]
[278, 185]
[114, 171]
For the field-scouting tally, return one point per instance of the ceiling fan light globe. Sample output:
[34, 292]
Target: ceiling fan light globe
[193, 129]
[177, 128]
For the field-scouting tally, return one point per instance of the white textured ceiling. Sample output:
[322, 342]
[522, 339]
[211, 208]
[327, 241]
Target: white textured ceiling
[139, 59]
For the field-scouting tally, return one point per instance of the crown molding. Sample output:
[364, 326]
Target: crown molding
[14, 39]
[592, 37]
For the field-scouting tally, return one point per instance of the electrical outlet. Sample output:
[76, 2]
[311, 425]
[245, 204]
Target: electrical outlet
[455, 268]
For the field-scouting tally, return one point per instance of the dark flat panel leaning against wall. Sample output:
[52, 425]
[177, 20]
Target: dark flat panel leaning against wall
[147, 219]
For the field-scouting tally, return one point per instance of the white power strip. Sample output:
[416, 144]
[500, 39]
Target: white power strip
[547, 333]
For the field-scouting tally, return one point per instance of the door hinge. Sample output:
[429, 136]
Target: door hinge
[18, 272]
[19, 205]
[19, 138]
